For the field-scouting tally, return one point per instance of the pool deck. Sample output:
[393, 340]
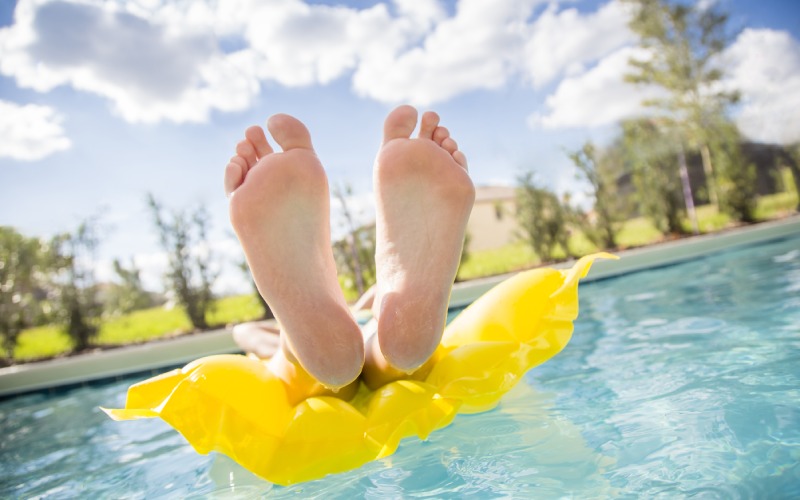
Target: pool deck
[153, 356]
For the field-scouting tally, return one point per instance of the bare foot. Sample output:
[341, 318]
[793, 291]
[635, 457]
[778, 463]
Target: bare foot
[280, 210]
[424, 197]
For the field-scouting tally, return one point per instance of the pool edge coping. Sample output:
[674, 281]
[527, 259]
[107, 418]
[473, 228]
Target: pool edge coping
[121, 361]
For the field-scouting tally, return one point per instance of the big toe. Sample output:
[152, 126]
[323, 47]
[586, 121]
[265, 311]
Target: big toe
[400, 123]
[289, 132]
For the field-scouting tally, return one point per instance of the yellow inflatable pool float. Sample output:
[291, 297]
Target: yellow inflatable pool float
[235, 405]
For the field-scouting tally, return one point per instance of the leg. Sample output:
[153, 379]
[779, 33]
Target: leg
[424, 197]
[280, 210]
[257, 337]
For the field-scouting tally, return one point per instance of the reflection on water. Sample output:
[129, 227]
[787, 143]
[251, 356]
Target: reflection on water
[693, 372]
[681, 381]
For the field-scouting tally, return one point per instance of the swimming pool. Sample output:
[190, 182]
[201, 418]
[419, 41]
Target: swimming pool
[679, 381]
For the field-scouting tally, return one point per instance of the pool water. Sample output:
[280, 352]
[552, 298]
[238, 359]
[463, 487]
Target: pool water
[681, 381]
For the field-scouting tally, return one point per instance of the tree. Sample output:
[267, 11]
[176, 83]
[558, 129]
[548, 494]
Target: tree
[793, 164]
[654, 171]
[465, 253]
[355, 252]
[184, 237]
[601, 176]
[73, 256]
[737, 186]
[542, 218]
[129, 294]
[268, 314]
[22, 297]
[684, 44]
[355, 257]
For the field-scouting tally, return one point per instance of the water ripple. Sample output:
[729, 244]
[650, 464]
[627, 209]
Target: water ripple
[678, 382]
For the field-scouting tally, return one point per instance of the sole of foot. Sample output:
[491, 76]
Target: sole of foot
[280, 211]
[424, 196]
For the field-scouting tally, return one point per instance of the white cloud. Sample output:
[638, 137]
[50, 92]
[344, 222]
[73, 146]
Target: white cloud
[300, 44]
[179, 61]
[479, 48]
[174, 61]
[148, 70]
[703, 5]
[30, 132]
[764, 65]
[155, 60]
[597, 97]
[564, 42]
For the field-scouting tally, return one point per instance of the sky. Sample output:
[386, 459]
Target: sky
[105, 101]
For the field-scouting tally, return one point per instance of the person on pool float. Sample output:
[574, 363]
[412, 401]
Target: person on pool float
[280, 211]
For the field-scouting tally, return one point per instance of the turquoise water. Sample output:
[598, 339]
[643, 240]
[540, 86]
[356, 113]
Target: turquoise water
[682, 381]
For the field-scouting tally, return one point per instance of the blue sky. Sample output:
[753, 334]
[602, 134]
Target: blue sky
[102, 102]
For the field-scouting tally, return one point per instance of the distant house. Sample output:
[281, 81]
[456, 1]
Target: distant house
[493, 222]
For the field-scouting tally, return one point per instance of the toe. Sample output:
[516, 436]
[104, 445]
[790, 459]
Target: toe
[234, 176]
[461, 159]
[430, 121]
[289, 132]
[400, 123]
[449, 145]
[238, 160]
[440, 134]
[246, 150]
[257, 138]
[235, 172]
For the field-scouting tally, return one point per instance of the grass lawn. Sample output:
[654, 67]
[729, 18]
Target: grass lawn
[137, 326]
[497, 261]
[143, 325]
[634, 232]
[776, 205]
[235, 309]
[159, 322]
[41, 342]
